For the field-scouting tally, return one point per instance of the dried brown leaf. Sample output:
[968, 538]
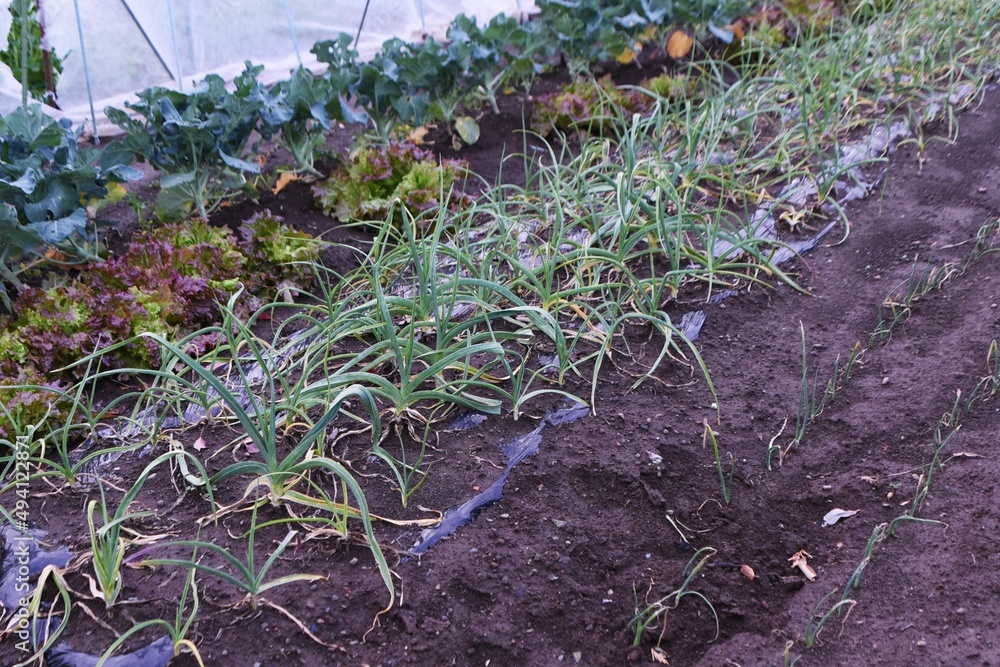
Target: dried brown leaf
[800, 560]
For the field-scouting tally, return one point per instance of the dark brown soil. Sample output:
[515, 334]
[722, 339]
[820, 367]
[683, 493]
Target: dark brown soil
[607, 515]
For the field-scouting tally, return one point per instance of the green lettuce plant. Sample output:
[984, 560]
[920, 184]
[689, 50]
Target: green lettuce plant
[587, 104]
[366, 187]
[169, 281]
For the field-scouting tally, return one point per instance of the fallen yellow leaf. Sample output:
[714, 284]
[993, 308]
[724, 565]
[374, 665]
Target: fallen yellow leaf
[116, 193]
[283, 180]
[626, 56]
[417, 135]
[679, 44]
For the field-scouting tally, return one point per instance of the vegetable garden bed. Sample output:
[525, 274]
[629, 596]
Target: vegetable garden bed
[264, 484]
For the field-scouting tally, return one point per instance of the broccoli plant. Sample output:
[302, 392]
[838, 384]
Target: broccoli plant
[387, 95]
[467, 67]
[516, 47]
[299, 109]
[585, 31]
[636, 15]
[197, 140]
[343, 69]
[47, 184]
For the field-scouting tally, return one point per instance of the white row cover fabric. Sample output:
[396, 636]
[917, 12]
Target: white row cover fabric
[133, 44]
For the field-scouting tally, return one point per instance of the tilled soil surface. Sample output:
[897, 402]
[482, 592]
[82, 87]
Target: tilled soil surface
[603, 520]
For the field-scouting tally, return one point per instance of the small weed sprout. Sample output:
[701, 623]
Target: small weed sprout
[789, 661]
[725, 483]
[812, 401]
[944, 431]
[984, 243]
[897, 306]
[804, 414]
[178, 630]
[879, 534]
[993, 363]
[651, 615]
[989, 381]
[817, 621]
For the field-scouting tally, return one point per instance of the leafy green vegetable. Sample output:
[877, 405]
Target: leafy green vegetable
[299, 110]
[277, 254]
[46, 185]
[197, 140]
[170, 281]
[585, 31]
[517, 47]
[343, 70]
[669, 87]
[586, 104]
[462, 68]
[387, 95]
[636, 14]
[591, 104]
[27, 401]
[11, 56]
[366, 187]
